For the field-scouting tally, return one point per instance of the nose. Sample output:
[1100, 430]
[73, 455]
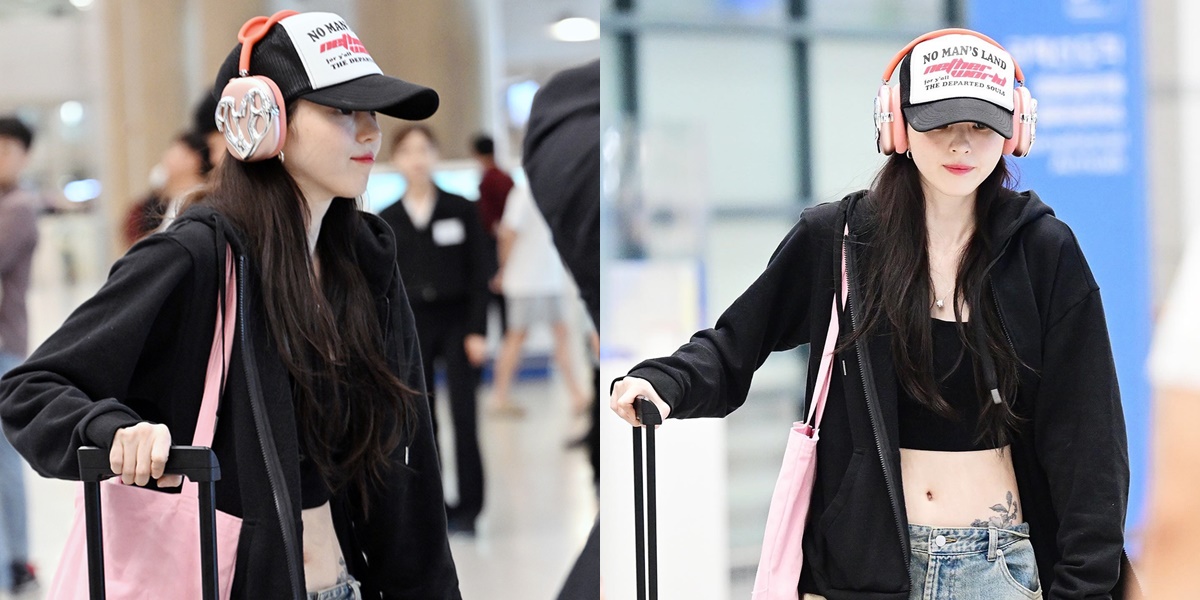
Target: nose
[960, 139]
[367, 127]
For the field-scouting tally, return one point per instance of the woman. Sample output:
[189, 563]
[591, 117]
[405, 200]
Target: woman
[973, 444]
[184, 167]
[324, 439]
[443, 255]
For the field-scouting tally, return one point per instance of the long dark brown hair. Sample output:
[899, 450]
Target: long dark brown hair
[352, 409]
[896, 283]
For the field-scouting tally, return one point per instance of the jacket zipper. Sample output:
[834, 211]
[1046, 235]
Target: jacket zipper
[996, 298]
[1000, 315]
[259, 418]
[875, 418]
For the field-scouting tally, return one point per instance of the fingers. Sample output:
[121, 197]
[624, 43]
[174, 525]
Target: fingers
[626, 391]
[129, 464]
[116, 456]
[141, 473]
[159, 451]
[621, 401]
[170, 481]
[139, 454]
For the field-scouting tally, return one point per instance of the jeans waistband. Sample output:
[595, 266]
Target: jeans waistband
[343, 591]
[965, 540]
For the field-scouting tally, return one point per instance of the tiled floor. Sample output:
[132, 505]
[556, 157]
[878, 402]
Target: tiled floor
[540, 498]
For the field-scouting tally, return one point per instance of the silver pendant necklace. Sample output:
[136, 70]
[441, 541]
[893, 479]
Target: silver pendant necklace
[940, 302]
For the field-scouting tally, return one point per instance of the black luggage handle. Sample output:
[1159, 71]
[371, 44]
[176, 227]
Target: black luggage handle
[197, 464]
[194, 462]
[645, 501]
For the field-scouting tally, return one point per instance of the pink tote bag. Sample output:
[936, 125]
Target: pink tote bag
[152, 540]
[778, 575]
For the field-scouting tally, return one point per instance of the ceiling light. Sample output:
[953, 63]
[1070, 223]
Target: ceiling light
[575, 29]
[71, 113]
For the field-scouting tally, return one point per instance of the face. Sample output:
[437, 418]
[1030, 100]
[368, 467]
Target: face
[955, 159]
[415, 157]
[329, 152]
[13, 158]
[181, 162]
[216, 148]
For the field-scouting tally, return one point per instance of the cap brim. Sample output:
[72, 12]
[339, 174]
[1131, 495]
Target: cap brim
[380, 93]
[925, 117]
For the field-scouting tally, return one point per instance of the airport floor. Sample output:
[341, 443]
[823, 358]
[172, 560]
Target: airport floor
[540, 501]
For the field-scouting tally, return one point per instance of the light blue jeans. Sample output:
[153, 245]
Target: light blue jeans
[973, 563]
[14, 538]
[346, 590]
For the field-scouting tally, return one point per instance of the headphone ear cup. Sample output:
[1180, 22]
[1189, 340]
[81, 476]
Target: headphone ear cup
[1011, 144]
[252, 117]
[1025, 134]
[883, 130]
[899, 128]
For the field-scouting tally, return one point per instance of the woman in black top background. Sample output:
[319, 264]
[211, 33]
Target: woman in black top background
[443, 254]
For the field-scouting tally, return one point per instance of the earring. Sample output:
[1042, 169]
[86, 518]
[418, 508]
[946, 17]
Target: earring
[281, 160]
[908, 154]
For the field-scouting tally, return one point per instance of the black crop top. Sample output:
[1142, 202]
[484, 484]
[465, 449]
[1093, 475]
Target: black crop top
[314, 491]
[924, 429]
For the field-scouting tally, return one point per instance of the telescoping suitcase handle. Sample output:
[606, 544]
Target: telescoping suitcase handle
[644, 508]
[196, 463]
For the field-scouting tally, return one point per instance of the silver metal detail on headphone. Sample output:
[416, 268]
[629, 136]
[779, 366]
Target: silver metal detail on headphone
[258, 111]
[1032, 115]
[880, 116]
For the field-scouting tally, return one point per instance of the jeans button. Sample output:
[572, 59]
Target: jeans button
[940, 540]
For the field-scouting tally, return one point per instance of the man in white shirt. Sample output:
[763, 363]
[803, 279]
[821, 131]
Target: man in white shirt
[532, 278]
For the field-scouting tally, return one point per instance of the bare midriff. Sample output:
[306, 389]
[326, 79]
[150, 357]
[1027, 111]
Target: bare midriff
[960, 489]
[324, 566]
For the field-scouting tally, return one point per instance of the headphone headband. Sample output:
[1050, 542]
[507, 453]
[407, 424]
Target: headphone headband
[252, 31]
[891, 68]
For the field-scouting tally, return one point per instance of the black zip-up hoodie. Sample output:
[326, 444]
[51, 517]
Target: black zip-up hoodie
[138, 351]
[1070, 457]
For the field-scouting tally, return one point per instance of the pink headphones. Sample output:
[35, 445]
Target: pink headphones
[891, 135]
[251, 110]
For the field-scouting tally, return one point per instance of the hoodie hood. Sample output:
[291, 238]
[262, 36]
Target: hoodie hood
[1013, 211]
[374, 244]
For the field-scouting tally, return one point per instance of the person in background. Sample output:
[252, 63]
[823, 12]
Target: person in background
[18, 238]
[533, 279]
[1173, 525]
[562, 160]
[204, 124]
[443, 254]
[494, 187]
[183, 168]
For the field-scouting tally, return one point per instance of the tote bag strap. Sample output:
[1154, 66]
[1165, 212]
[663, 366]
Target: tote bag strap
[218, 362]
[825, 370]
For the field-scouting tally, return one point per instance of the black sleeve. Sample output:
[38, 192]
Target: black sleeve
[483, 267]
[710, 375]
[404, 536]
[1079, 435]
[68, 394]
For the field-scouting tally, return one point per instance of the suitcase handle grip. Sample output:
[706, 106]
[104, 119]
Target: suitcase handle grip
[194, 462]
[647, 412]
